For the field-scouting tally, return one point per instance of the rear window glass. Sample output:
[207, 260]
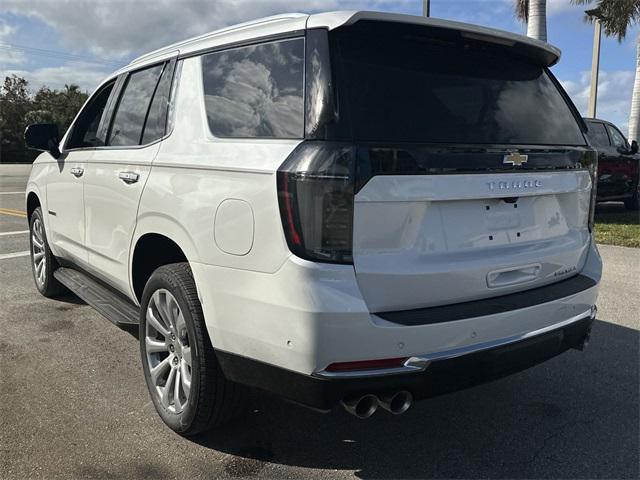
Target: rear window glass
[400, 83]
[256, 91]
[598, 135]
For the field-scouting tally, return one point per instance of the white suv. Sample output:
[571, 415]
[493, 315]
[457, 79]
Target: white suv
[345, 208]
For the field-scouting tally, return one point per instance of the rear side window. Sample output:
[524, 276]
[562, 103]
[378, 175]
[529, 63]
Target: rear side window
[85, 130]
[256, 91]
[130, 115]
[598, 135]
[403, 83]
[157, 118]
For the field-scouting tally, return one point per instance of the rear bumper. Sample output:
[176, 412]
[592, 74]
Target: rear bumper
[436, 374]
[282, 332]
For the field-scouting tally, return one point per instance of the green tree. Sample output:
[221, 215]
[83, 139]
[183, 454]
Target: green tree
[14, 105]
[18, 108]
[616, 16]
[64, 104]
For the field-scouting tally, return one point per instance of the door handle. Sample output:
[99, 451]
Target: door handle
[128, 177]
[77, 171]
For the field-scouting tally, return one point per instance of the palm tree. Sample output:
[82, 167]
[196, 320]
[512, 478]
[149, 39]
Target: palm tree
[534, 12]
[616, 16]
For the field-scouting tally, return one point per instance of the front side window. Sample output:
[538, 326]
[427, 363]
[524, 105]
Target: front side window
[411, 84]
[84, 133]
[131, 112]
[598, 135]
[617, 139]
[256, 91]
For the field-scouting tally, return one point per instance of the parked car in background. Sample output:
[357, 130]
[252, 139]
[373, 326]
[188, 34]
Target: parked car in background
[350, 208]
[618, 164]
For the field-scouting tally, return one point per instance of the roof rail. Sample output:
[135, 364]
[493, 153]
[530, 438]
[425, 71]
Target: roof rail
[215, 33]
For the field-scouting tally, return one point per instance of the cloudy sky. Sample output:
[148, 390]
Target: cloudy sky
[54, 42]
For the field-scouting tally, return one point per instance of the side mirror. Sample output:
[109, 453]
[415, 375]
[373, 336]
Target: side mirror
[634, 147]
[43, 137]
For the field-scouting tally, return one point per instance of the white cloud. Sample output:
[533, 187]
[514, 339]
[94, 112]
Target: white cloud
[8, 55]
[555, 7]
[614, 95]
[84, 75]
[120, 28]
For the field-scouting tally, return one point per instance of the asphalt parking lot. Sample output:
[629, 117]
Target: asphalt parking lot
[73, 403]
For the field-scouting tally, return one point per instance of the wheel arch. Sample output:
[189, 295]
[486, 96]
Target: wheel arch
[151, 251]
[33, 202]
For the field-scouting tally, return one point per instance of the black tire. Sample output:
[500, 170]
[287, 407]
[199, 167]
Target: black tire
[213, 400]
[46, 283]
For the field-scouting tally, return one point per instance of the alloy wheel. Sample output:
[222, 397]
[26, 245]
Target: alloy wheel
[38, 252]
[168, 351]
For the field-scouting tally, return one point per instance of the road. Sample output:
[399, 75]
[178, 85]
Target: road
[73, 403]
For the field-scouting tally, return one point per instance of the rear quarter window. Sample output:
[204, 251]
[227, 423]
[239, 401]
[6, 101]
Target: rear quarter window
[256, 91]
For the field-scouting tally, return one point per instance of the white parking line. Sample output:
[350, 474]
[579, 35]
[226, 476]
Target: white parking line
[20, 232]
[12, 193]
[14, 255]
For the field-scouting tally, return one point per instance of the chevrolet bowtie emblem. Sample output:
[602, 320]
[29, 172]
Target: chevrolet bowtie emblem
[514, 158]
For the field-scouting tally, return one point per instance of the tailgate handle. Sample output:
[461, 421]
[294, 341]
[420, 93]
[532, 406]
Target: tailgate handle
[513, 275]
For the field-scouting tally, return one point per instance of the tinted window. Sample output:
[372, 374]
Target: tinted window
[598, 135]
[617, 139]
[85, 130]
[256, 91]
[132, 109]
[157, 118]
[401, 83]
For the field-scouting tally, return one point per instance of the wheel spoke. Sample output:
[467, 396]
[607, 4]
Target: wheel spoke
[38, 255]
[159, 369]
[173, 310]
[176, 389]
[160, 301]
[168, 388]
[37, 243]
[155, 323]
[180, 324]
[186, 379]
[186, 355]
[155, 346]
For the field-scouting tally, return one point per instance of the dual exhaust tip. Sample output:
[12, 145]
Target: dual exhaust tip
[366, 405]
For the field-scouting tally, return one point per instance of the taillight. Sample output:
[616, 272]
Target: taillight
[316, 191]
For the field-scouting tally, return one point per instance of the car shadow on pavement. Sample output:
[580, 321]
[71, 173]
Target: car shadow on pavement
[575, 416]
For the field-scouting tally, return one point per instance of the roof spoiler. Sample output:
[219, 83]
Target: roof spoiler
[541, 52]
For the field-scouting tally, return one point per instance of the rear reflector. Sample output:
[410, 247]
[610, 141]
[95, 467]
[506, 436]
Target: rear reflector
[366, 364]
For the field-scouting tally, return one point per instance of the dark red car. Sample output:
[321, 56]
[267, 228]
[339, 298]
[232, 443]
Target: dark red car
[618, 164]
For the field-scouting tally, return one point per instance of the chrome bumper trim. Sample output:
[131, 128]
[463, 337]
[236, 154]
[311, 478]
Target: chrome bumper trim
[421, 363]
